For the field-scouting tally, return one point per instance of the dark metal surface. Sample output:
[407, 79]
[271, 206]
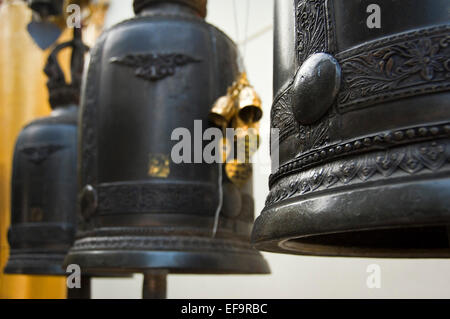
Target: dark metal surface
[315, 87]
[43, 207]
[198, 6]
[147, 76]
[363, 171]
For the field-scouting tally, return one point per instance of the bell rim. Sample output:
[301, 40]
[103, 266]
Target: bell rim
[45, 265]
[176, 262]
[250, 109]
[282, 246]
[287, 227]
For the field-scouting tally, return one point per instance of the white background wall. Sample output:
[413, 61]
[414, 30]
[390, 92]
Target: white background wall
[292, 276]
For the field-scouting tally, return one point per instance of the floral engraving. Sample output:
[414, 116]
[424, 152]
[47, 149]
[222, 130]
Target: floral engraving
[311, 28]
[154, 197]
[404, 65]
[409, 160]
[282, 116]
[310, 136]
[384, 140]
[89, 134]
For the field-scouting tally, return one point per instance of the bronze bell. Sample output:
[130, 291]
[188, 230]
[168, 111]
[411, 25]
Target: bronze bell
[44, 188]
[361, 112]
[141, 210]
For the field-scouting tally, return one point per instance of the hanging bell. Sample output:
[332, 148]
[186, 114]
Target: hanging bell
[143, 207]
[360, 135]
[249, 102]
[44, 187]
[222, 111]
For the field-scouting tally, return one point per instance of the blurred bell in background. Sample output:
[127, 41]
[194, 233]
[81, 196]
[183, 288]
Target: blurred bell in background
[24, 96]
[44, 184]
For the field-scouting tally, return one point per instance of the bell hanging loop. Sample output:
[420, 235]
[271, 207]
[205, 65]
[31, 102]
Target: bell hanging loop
[61, 92]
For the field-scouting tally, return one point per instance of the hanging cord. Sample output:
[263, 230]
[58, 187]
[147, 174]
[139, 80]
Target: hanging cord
[258, 33]
[219, 206]
[236, 24]
[240, 61]
[242, 44]
[246, 30]
[241, 66]
[220, 179]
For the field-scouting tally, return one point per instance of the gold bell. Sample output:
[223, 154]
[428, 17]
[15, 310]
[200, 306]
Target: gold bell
[222, 111]
[249, 105]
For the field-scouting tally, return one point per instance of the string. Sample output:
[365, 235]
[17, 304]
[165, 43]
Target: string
[240, 62]
[241, 68]
[236, 24]
[220, 180]
[246, 29]
[219, 206]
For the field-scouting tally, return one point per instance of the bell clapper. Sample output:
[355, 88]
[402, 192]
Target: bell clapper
[155, 284]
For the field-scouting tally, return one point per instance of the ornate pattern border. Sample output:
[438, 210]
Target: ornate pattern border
[160, 197]
[408, 160]
[282, 116]
[382, 140]
[314, 33]
[89, 134]
[314, 30]
[175, 243]
[407, 64]
[311, 136]
[404, 65]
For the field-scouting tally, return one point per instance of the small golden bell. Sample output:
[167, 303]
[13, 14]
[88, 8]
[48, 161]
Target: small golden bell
[222, 111]
[249, 105]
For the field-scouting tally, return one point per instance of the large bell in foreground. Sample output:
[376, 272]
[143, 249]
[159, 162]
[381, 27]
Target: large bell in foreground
[363, 116]
[148, 76]
[44, 187]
